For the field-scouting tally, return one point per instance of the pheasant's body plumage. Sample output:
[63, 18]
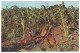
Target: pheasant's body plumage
[51, 40]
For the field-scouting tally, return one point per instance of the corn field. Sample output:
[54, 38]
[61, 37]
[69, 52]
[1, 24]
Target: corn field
[49, 28]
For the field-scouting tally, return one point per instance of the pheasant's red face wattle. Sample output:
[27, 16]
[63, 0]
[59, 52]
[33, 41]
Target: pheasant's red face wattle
[49, 36]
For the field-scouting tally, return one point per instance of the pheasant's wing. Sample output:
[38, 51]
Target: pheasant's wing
[43, 32]
[51, 40]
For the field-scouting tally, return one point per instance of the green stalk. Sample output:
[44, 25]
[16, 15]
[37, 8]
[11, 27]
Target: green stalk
[22, 23]
[64, 24]
[3, 22]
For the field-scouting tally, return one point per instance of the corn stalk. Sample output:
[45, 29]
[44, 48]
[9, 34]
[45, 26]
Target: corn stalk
[3, 22]
[64, 24]
[23, 26]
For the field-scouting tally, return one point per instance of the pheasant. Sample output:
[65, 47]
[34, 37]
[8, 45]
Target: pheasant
[26, 40]
[29, 40]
